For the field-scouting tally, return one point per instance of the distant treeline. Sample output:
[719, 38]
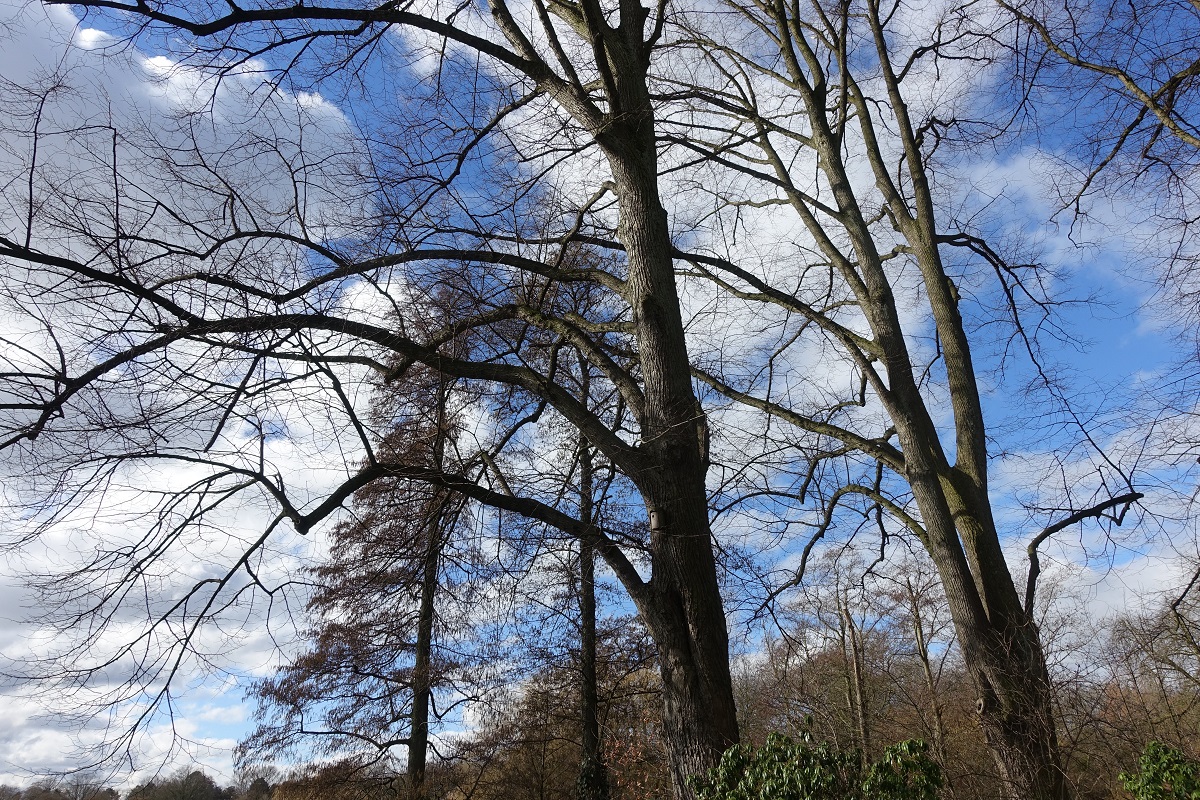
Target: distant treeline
[187, 783]
[861, 670]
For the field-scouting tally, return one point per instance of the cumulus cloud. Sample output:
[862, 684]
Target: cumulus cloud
[93, 90]
[293, 158]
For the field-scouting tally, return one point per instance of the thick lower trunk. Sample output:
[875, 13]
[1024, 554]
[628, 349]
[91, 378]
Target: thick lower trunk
[698, 724]
[422, 669]
[1016, 715]
[699, 716]
[683, 610]
[686, 615]
[1006, 656]
[1000, 646]
[1014, 705]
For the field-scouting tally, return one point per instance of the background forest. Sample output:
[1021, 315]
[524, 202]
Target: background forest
[559, 398]
[877, 666]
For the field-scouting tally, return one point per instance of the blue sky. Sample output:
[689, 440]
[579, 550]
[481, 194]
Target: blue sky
[1128, 343]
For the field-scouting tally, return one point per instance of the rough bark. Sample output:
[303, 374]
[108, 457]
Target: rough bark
[685, 613]
[999, 640]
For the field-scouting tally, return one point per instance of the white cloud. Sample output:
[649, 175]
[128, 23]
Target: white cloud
[125, 88]
[92, 39]
[309, 443]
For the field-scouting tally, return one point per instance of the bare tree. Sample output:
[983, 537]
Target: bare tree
[170, 296]
[1131, 75]
[393, 573]
[1142, 55]
[593, 772]
[232, 301]
[818, 110]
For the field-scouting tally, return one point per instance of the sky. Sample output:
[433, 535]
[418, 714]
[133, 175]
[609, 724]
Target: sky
[210, 713]
[1127, 341]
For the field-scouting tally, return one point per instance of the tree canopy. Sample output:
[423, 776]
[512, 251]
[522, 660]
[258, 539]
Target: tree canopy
[701, 290]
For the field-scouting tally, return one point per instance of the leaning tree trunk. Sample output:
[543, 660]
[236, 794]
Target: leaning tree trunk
[1014, 701]
[1000, 643]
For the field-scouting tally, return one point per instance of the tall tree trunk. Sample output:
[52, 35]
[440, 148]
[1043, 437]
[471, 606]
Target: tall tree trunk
[422, 677]
[422, 673]
[1001, 649]
[1016, 713]
[857, 667]
[684, 610]
[593, 772]
[1000, 641]
[688, 622]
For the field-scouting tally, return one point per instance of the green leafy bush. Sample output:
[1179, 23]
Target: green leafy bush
[1164, 773]
[784, 769]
